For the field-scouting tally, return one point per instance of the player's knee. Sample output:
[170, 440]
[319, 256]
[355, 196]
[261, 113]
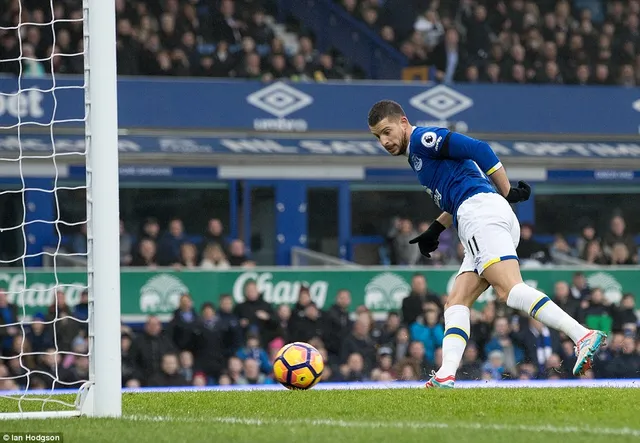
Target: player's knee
[453, 301]
[457, 297]
[466, 289]
[501, 293]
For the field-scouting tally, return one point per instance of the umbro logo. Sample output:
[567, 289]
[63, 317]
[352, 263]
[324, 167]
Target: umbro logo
[441, 102]
[279, 99]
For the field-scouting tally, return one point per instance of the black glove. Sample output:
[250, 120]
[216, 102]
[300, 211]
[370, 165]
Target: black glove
[519, 194]
[428, 240]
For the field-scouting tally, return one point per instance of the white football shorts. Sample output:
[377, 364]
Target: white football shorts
[489, 230]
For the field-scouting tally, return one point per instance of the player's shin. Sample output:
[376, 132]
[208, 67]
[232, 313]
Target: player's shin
[457, 324]
[525, 298]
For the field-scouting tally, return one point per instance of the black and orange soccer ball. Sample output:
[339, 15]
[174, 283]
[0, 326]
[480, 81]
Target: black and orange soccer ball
[298, 366]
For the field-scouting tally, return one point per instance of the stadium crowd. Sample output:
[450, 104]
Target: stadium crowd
[616, 246]
[151, 247]
[228, 343]
[513, 41]
[206, 38]
[518, 41]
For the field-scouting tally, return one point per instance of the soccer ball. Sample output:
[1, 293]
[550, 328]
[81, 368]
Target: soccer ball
[298, 366]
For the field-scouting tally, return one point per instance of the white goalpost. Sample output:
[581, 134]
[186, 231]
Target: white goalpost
[99, 393]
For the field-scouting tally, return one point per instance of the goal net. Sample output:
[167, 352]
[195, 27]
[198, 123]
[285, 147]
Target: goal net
[62, 359]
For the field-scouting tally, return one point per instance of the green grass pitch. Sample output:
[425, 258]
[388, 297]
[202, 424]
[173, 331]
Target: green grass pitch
[566, 415]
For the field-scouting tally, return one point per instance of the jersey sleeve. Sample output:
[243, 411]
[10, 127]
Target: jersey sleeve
[427, 142]
[462, 147]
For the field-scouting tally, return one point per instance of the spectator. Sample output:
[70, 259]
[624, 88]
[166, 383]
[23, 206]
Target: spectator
[188, 255]
[309, 326]
[209, 343]
[618, 234]
[580, 289]
[78, 244]
[503, 340]
[598, 312]
[494, 369]
[169, 374]
[428, 331]
[255, 314]
[213, 236]
[148, 348]
[413, 304]
[529, 248]
[186, 369]
[470, 367]
[130, 370]
[359, 342]
[405, 253]
[252, 373]
[587, 234]
[338, 324]
[385, 334]
[539, 343]
[252, 350]
[620, 255]
[39, 334]
[182, 326]
[76, 375]
[229, 325]
[170, 244]
[146, 254]
[304, 299]
[593, 253]
[562, 298]
[235, 371]
[237, 255]
[65, 326]
[625, 318]
[627, 363]
[283, 315]
[8, 316]
[150, 230]
[354, 369]
[449, 58]
[126, 246]
[214, 257]
[258, 29]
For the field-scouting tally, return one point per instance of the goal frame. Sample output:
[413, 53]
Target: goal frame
[101, 395]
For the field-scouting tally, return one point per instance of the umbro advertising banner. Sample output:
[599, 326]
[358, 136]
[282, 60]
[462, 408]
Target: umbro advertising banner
[226, 105]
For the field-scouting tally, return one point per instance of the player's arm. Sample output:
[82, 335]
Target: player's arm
[445, 219]
[500, 179]
[428, 240]
[460, 146]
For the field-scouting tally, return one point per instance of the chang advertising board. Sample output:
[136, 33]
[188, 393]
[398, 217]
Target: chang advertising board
[157, 292]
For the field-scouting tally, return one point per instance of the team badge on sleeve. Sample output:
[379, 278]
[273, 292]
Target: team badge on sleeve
[429, 140]
[417, 162]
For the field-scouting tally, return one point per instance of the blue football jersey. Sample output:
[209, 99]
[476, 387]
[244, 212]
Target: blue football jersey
[450, 166]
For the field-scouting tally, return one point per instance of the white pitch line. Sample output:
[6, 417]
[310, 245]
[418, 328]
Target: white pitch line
[393, 425]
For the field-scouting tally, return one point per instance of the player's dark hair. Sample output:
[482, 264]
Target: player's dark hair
[385, 109]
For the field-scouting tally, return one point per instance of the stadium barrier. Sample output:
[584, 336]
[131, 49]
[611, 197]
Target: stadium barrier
[145, 292]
